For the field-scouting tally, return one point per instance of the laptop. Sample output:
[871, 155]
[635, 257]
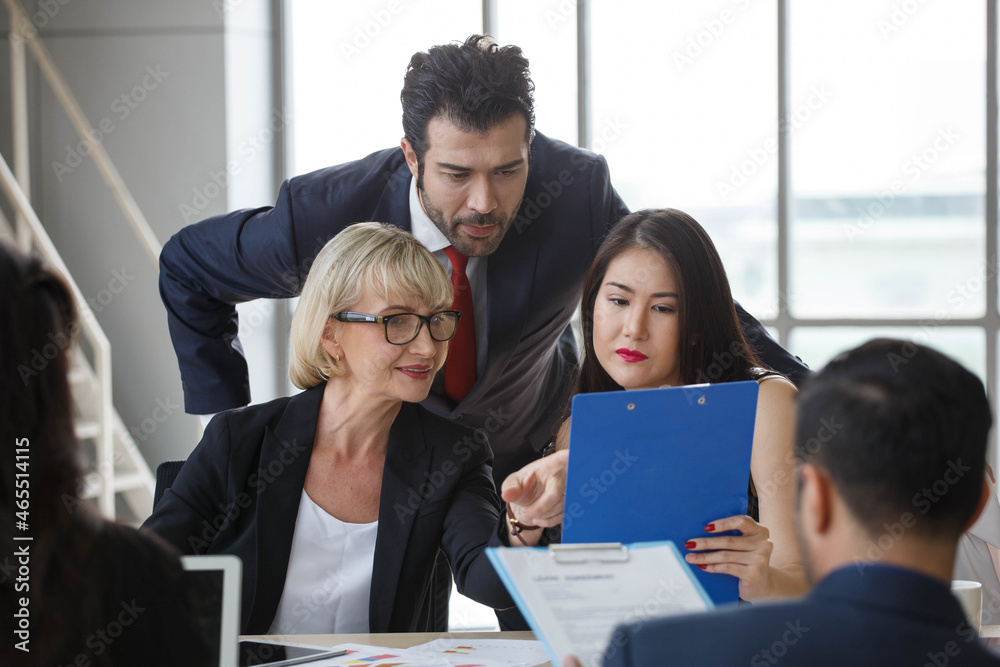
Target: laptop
[219, 580]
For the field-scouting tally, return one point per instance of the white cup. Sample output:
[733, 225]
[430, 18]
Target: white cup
[970, 596]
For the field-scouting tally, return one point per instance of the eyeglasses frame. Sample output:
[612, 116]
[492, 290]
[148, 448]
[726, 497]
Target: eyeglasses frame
[365, 318]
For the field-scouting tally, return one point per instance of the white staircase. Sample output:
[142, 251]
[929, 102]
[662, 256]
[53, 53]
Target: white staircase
[117, 479]
[127, 478]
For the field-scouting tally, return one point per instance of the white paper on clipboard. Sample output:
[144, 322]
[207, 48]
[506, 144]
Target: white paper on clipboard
[574, 596]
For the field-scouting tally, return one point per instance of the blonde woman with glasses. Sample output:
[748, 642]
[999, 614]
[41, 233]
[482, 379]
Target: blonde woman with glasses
[339, 498]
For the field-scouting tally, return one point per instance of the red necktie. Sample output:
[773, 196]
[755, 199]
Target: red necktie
[460, 369]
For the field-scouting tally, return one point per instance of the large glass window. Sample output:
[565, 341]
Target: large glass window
[347, 65]
[546, 32]
[684, 100]
[821, 344]
[886, 232]
[888, 165]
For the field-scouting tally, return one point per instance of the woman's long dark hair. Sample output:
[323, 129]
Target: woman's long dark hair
[83, 570]
[712, 345]
[37, 327]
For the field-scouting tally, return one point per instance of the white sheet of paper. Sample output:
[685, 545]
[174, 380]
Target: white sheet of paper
[510, 652]
[576, 607]
[378, 656]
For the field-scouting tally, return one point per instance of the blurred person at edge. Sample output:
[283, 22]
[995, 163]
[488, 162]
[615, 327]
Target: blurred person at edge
[347, 491]
[907, 416]
[97, 593]
[978, 557]
[657, 311]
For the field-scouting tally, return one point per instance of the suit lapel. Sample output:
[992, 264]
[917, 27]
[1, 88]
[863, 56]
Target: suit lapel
[281, 475]
[394, 204]
[407, 457]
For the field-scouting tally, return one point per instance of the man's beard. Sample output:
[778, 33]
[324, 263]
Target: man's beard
[464, 245]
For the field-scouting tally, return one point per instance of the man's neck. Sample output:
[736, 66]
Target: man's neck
[895, 546]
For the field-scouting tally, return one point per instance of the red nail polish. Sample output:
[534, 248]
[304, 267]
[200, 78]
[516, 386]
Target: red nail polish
[710, 528]
[702, 567]
[689, 545]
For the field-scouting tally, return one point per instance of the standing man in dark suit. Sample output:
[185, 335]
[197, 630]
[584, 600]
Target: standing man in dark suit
[520, 213]
[891, 446]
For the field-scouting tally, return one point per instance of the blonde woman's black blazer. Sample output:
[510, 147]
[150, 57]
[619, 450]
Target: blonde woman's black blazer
[239, 493]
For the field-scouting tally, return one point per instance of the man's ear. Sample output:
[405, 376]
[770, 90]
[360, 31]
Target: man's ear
[410, 155]
[984, 497]
[816, 499]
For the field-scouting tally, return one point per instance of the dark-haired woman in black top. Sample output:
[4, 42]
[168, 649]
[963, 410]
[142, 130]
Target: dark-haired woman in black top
[657, 310]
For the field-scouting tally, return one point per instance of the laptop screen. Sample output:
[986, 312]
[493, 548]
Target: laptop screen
[217, 578]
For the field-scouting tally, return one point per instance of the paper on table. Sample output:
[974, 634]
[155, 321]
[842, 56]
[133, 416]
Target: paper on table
[511, 652]
[378, 656]
[575, 607]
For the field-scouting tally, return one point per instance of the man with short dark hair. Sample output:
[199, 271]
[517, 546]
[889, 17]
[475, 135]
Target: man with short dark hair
[891, 447]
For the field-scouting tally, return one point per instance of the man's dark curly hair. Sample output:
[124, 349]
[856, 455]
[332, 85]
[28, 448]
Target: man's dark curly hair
[475, 85]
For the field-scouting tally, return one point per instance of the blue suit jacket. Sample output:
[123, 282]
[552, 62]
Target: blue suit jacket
[873, 615]
[533, 286]
[239, 494]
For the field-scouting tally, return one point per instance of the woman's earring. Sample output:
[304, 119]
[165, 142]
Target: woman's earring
[337, 358]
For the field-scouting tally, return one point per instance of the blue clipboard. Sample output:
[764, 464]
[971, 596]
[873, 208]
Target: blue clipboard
[658, 464]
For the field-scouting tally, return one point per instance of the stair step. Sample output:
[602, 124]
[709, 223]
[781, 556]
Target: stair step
[78, 376]
[87, 430]
[128, 481]
[92, 485]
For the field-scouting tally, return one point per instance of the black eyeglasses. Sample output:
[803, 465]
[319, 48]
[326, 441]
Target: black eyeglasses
[401, 328]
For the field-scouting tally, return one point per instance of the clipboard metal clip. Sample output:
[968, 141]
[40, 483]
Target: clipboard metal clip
[604, 552]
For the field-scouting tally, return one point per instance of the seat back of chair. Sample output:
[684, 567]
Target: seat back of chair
[166, 473]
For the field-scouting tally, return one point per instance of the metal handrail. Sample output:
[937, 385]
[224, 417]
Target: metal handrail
[18, 22]
[91, 330]
[19, 109]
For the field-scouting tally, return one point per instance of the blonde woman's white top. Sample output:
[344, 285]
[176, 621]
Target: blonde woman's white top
[329, 576]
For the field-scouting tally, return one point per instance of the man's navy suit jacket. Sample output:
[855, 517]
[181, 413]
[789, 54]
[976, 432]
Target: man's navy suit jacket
[239, 494]
[533, 286]
[858, 615]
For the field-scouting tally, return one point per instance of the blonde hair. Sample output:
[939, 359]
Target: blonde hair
[368, 255]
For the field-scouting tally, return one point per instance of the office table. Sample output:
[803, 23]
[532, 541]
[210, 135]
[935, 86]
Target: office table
[393, 639]
[408, 639]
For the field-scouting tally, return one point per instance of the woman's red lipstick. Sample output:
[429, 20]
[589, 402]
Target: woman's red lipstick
[631, 356]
